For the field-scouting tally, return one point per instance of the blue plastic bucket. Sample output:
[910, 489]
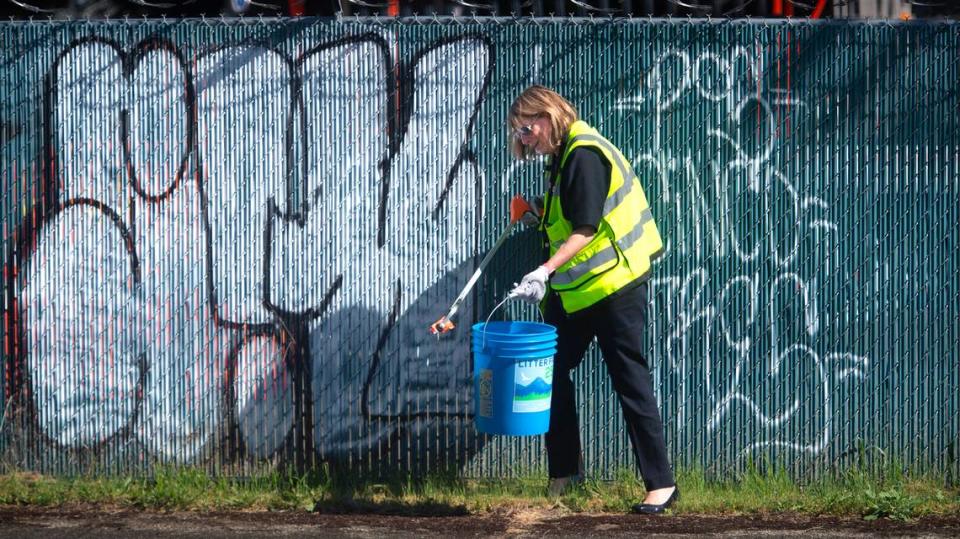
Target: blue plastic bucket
[531, 332]
[513, 377]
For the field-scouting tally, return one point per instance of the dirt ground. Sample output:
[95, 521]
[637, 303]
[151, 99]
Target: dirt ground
[81, 522]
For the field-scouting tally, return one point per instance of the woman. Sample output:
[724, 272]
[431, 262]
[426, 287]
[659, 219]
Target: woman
[601, 239]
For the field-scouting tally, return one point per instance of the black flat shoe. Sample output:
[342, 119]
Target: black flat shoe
[656, 509]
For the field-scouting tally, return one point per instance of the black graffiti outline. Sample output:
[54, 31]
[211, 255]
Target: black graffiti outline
[189, 101]
[46, 208]
[392, 320]
[286, 324]
[20, 387]
[465, 155]
[401, 91]
[229, 414]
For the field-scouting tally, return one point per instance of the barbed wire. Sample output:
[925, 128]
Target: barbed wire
[471, 5]
[362, 3]
[740, 5]
[31, 8]
[158, 6]
[726, 8]
[274, 7]
[587, 6]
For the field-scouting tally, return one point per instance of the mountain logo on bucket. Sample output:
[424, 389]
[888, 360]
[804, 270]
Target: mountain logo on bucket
[532, 385]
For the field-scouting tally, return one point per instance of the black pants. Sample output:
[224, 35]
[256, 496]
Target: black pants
[618, 324]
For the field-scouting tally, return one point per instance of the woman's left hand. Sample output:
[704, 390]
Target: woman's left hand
[533, 286]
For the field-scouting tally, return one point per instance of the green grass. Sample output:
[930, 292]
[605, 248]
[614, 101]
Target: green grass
[879, 494]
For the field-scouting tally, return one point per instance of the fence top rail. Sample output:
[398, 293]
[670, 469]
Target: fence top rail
[486, 20]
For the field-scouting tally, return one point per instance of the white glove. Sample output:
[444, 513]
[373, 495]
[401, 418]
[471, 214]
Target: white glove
[533, 286]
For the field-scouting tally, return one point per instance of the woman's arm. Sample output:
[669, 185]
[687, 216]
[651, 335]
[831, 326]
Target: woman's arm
[578, 239]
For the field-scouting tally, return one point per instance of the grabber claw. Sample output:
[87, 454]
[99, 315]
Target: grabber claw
[518, 206]
[442, 326]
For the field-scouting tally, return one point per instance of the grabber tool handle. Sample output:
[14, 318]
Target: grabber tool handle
[517, 208]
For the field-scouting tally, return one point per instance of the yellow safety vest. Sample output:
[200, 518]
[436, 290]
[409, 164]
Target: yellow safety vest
[627, 239]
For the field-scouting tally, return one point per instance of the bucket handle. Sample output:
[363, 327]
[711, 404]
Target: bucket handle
[483, 341]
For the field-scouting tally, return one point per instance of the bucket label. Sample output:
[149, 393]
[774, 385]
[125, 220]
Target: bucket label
[486, 392]
[532, 385]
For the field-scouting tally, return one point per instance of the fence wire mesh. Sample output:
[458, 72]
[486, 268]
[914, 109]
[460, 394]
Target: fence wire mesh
[224, 241]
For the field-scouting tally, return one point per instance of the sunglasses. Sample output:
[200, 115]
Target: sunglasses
[523, 131]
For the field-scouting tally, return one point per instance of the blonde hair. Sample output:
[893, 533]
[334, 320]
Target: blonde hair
[540, 102]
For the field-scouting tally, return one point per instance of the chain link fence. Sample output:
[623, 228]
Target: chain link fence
[224, 241]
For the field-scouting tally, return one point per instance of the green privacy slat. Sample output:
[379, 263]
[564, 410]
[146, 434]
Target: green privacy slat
[224, 240]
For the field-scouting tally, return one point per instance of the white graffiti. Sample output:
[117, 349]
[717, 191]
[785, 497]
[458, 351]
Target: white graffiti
[757, 360]
[118, 300]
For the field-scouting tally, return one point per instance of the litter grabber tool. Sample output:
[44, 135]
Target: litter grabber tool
[518, 208]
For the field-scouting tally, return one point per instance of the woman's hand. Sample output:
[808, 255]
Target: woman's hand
[533, 286]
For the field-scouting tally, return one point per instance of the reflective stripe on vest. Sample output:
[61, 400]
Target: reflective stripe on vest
[604, 256]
